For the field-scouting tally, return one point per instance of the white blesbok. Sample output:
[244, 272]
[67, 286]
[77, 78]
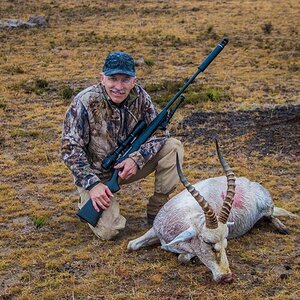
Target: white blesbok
[193, 225]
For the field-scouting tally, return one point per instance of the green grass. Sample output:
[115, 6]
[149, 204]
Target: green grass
[40, 222]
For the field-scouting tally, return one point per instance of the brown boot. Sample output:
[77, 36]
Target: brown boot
[156, 202]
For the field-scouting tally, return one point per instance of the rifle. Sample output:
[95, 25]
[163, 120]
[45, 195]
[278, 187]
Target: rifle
[139, 135]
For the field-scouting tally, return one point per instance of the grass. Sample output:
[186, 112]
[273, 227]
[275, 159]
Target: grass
[46, 253]
[40, 222]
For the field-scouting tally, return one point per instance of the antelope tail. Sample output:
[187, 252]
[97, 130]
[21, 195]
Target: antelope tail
[281, 212]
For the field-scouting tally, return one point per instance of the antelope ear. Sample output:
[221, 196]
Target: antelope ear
[230, 224]
[183, 236]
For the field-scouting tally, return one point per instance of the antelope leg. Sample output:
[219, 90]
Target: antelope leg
[149, 238]
[182, 237]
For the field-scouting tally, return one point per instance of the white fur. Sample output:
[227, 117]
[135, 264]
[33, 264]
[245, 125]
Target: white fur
[180, 224]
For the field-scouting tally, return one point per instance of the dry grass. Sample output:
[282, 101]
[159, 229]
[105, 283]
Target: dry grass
[45, 252]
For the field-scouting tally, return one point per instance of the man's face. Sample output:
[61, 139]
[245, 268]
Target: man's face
[118, 86]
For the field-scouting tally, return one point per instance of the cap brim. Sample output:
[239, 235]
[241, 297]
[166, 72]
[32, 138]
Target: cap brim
[118, 71]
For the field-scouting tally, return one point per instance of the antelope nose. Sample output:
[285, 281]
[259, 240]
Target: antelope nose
[228, 278]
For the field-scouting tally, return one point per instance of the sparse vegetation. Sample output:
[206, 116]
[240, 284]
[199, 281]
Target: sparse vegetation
[39, 222]
[149, 62]
[213, 94]
[267, 28]
[46, 253]
[3, 103]
[21, 132]
[15, 70]
[40, 84]
[37, 86]
[67, 92]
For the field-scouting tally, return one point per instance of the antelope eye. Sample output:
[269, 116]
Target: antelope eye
[212, 245]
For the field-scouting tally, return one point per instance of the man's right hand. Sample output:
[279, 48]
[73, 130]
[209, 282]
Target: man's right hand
[100, 196]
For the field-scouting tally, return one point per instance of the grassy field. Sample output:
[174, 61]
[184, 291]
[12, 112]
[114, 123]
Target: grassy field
[46, 253]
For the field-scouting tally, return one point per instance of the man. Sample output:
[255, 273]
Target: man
[96, 120]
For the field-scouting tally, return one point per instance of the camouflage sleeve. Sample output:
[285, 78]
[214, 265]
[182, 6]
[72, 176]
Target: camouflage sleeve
[75, 137]
[155, 143]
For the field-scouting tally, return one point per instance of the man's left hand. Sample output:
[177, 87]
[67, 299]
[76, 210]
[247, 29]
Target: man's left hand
[128, 168]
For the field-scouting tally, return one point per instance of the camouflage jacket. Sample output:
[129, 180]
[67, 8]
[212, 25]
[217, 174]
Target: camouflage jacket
[94, 124]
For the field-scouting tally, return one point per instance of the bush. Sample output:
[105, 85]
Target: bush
[15, 70]
[40, 222]
[213, 94]
[40, 84]
[66, 92]
[3, 104]
[21, 132]
[267, 28]
[149, 62]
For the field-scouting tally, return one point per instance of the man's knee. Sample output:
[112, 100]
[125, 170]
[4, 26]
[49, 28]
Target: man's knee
[111, 220]
[173, 145]
[104, 233]
[166, 177]
[167, 155]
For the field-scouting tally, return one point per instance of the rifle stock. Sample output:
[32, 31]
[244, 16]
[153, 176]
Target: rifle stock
[87, 212]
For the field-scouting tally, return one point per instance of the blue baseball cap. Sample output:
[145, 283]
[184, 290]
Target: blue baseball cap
[119, 63]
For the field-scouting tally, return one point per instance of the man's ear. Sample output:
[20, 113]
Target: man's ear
[102, 77]
[135, 80]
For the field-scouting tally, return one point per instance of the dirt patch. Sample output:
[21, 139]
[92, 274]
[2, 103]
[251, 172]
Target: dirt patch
[266, 131]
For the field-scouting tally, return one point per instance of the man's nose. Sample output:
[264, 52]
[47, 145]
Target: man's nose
[119, 84]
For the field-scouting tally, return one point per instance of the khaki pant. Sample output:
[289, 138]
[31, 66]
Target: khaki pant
[166, 180]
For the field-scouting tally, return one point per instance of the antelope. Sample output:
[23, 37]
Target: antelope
[198, 225]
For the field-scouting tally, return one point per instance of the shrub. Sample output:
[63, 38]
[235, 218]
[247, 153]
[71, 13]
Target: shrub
[198, 95]
[21, 132]
[213, 94]
[15, 70]
[40, 222]
[149, 62]
[267, 28]
[40, 84]
[66, 92]
[3, 104]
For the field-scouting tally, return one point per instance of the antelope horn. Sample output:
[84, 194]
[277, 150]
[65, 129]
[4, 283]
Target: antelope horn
[210, 217]
[227, 204]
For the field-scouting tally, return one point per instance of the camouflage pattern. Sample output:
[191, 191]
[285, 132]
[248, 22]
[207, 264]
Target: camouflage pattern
[94, 124]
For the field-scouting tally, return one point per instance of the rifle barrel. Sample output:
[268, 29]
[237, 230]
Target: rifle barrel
[213, 54]
[201, 68]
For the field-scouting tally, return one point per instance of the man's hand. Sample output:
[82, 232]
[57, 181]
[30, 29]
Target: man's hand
[101, 196]
[128, 168]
